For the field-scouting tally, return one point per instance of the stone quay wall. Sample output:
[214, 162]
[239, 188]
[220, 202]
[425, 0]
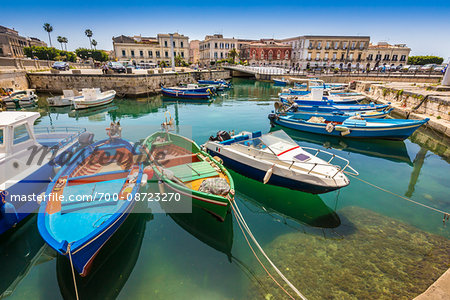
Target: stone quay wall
[33, 64]
[15, 79]
[131, 85]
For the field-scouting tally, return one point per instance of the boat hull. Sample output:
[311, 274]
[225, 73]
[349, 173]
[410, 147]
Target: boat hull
[186, 95]
[93, 103]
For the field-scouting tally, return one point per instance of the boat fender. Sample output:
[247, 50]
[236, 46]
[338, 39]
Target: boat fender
[268, 175]
[144, 179]
[218, 159]
[148, 170]
[161, 187]
[341, 128]
[9, 214]
[56, 168]
[329, 128]
[343, 133]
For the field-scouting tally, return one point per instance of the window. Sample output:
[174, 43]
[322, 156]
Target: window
[344, 46]
[319, 45]
[334, 55]
[278, 54]
[361, 45]
[182, 54]
[215, 55]
[215, 45]
[286, 54]
[150, 53]
[326, 55]
[221, 54]
[123, 53]
[20, 134]
[270, 55]
[386, 57]
[353, 45]
[158, 54]
[394, 57]
[254, 54]
[317, 56]
[309, 55]
[378, 57]
[166, 53]
[1, 135]
[328, 45]
[141, 53]
[165, 43]
[132, 53]
[310, 45]
[336, 45]
[403, 58]
[1, 51]
[359, 56]
[174, 44]
[350, 56]
[182, 45]
[262, 54]
[370, 57]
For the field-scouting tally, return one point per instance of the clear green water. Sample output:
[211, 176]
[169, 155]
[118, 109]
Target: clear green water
[314, 239]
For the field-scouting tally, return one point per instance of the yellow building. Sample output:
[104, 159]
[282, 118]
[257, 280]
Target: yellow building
[384, 54]
[154, 50]
[216, 47]
[315, 51]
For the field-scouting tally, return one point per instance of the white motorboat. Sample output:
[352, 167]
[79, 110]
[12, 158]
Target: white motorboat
[93, 97]
[20, 99]
[27, 157]
[274, 158]
[65, 100]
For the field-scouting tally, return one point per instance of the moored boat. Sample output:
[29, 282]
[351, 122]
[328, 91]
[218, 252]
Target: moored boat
[184, 168]
[28, 158]
[280, 81]
[65, 100]
[186, 94]
[391, 129]
[89, 199]
[274, 158]
[93, 97]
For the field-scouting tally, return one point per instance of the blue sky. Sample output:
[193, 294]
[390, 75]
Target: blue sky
[424, 26]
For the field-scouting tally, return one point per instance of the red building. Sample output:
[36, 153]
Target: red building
[267, 52]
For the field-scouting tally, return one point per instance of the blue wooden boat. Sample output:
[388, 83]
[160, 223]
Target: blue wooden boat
[182, 94]
[330, 106]
[306, 100]
[220, 83]
[390, 129]
[28, 157]
[89, 199]
[280, 82]
[192, 87]
[340, 116]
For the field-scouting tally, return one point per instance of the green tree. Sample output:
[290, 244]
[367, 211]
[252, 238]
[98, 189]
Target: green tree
[180, 62]
[60, 40]
[94, 43]
[232, 54]
[89, 34]
[49, 53]
[48, 28]
[425, 59]
[98, 55]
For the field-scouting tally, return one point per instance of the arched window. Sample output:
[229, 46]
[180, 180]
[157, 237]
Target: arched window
[278, 54]
[270, 54]
[286, 54]
[262, 54]
[254, 54]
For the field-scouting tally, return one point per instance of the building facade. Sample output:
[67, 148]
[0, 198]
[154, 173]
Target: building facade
[154, 50]
[384, 54]
[194, 52]
[311, 51]
[12, 44]
[215, 47]
[267, 52]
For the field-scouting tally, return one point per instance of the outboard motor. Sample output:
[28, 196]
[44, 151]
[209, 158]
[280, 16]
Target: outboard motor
[221, 136]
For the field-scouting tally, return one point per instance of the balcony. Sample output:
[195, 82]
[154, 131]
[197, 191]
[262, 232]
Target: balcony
[369, 59]
[319, 47]
[310, 47]
[317, 58]
[308, 59]
[334, 59]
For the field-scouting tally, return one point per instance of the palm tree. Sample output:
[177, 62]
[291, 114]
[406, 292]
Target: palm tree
[60, 40]
[233, 53]
[48, 28]
[65, 41]
[89, 34]
[94, 43]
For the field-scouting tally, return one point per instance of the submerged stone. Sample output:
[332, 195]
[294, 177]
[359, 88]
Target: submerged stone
[382, 259]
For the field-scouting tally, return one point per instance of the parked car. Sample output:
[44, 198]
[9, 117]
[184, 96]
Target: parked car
[60, 65]
[427, 68]
[116, 67]
[405, 68]
[439, 68]
[413, 69]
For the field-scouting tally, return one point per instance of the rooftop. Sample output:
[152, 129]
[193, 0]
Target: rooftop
[12, 117]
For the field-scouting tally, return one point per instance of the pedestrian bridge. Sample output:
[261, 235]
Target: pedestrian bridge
[253, 71]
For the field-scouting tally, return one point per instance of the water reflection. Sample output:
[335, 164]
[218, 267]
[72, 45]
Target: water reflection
[19, 252]
[112, 266]
[301, 207]
[395, 151]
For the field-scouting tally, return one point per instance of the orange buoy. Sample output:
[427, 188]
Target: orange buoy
[149, 171]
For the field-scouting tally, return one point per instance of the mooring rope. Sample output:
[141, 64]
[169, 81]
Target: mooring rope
[242, 222]
[400, 196]
[73, 272]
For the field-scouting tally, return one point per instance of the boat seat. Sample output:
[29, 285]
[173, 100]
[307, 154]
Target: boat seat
[354, 122]
[81, 205]
[193, 171]
[179, 160]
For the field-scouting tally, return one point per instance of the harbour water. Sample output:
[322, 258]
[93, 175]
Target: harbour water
[356, 243]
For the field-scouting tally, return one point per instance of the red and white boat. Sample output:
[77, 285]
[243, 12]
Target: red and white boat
[93, 97]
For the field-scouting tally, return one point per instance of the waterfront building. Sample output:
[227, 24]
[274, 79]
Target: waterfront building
[315, 51]
[383, 54]
[267, 52]
[12, 44]
[194, 52]
[153, 50]
[216, 47]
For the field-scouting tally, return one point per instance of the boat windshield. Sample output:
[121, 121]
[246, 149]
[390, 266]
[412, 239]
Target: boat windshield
[277, 142]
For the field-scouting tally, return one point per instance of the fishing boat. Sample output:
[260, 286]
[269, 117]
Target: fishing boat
[65, 100]
[391, 129]
[92, 98]
[192, 87]
[185, 94]
[274, 158]
[280, 81]
[20, 99]
[221, 84]
[330, 106]
[184, 168]
[318, 96]
[89, 199]
[28, 158]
